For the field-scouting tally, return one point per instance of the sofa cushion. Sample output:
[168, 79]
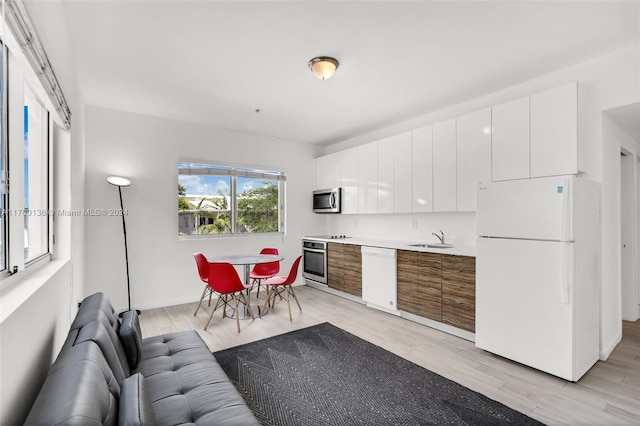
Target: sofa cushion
[79, 390]
[90, 304]
[135, 404]
[131, 338]
[109, 343]
[187, 385]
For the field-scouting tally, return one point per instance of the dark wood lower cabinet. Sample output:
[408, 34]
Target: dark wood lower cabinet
[430, 285]
[440, 287]
[344, 268]
[352, 269]
[407, 281]
[335, 266]
[459, 291]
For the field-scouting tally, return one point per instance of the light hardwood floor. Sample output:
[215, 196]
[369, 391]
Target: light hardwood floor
[609, 394]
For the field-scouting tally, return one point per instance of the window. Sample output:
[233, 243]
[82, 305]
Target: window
[36, 172]
[24, 157]
[222, 200]
[3, 169]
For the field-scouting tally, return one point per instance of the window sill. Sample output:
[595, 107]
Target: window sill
[18, 288]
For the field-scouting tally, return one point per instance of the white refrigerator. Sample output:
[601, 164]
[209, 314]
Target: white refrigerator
[537, 272]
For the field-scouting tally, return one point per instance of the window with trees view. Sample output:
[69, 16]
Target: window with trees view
[222, 200]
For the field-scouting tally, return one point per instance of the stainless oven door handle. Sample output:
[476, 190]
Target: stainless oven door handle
[315, 250]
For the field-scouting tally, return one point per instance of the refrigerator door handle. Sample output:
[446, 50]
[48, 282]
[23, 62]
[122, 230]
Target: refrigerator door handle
[567, 189]
[567, 272]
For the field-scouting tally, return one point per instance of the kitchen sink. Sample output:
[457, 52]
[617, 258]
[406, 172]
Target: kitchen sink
[433, 245]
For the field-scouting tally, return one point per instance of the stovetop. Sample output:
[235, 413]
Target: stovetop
[330, 237]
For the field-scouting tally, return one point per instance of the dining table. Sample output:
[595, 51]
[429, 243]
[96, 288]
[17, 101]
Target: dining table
[247, 260]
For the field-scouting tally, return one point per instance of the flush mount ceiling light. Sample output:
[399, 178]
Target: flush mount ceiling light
[323, 67]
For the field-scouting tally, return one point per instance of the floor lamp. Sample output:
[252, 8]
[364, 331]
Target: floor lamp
[120, 182]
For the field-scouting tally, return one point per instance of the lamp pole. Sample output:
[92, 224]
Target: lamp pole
[120, 182]
[126, 250]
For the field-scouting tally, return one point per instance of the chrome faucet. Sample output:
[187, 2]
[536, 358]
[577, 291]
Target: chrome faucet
[440, 237]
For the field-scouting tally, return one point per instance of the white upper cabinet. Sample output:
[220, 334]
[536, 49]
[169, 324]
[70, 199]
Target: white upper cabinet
[510, 140]
[350, 181]
[473, 142]
[368, 178]
[437, 168]
[554, 131]
[385, 175]
[402, 173]
[329, 171]
[444, 166]
[422, 167]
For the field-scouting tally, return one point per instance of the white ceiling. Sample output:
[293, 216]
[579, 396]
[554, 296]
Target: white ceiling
[217, 62]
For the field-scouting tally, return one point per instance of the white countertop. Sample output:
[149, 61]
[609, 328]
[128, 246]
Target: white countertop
[457, 250]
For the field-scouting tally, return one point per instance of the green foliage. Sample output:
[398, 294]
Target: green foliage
[258, 209]
[183, 203]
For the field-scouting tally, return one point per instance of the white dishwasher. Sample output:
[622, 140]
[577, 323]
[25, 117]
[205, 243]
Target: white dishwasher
[379, 278]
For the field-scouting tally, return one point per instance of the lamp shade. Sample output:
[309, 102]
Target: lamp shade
[118, 181]
[323, 67]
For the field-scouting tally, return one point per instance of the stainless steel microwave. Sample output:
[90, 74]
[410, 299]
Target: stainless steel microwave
[327, 200]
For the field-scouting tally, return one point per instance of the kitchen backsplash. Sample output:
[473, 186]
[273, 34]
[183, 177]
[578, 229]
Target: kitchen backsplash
[459, 228]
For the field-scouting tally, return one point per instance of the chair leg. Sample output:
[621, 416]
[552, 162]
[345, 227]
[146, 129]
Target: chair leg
[226, 304]
[247, 305]
[295, 297]
[289, 307]
[258, 292]
[210, 293]
[235, 306]
[201, 297]
[266, 303]
[212, 312]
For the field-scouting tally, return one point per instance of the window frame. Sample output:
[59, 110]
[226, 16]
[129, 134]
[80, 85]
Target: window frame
[16, 76]
[235, 171]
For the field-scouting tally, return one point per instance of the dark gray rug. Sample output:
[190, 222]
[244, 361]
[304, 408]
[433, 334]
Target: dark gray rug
[323, 375]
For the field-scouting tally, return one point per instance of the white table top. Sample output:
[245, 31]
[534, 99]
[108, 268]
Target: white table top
[247, 259]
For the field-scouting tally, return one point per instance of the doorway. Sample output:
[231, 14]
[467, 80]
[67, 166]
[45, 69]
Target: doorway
[627, 236]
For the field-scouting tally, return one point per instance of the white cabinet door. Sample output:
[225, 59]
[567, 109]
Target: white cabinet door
[329, 171]
[554, 131]
[422, 169]
[510, 140]
[473, 142]
[402, 175]
[350, 181]
[385, 175]
[368, 178]
[444, 166]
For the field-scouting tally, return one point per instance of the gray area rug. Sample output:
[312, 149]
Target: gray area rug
[322, 375]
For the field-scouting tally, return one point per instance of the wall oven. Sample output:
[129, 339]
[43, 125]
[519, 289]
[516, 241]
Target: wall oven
[314, 255]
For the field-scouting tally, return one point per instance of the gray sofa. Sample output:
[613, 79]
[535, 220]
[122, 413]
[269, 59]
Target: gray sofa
[106, 374]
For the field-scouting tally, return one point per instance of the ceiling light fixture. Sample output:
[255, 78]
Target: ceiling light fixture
[323, 67]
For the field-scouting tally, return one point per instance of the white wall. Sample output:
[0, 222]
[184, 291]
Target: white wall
[147, 150]
[31, 338]
[624, 228]
[36, 311]
[611, 80]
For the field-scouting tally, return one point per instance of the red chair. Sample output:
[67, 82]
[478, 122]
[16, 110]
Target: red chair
[224, 280]
[203, 271]
[277, 285]
[262, 271]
